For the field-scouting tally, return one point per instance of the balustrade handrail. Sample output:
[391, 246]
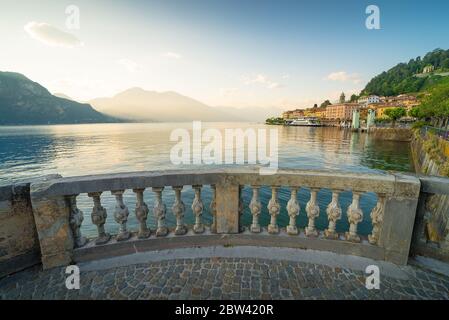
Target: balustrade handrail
[58, 218]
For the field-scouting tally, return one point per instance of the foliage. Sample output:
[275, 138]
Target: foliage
[395, 113]
[419, 124]
[402, 78]
[325, 104]
[275, 120]
[354, 98]
[435, 104]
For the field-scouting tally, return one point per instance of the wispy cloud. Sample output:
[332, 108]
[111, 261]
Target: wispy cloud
[263, 80]
[129, 65]
[51, 36]
[343, 76]
[172, 55]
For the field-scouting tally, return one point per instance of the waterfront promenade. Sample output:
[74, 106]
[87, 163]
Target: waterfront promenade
[184, 274]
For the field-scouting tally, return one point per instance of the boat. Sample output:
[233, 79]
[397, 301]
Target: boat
[306, 122]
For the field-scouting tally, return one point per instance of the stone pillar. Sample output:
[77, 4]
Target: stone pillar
[355, 216]
[197, 208]
[377, 216]
[213, 209]
[274, 209]
[313, 211]
[159, 211]
[178, 209]
[121, 214]
[142, 214]
[99, 216]
[255, 206]
[227, 199]
[293, 211]
[52, 215]
[333, 214]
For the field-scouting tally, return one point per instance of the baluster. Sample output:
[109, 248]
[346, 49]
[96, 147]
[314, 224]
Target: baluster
[178, 210]
[99, 215]
[159, 211]
[197, 208]
[293, 211]
[355, 216]
[213, 209]
[121, 214]
[255, 206]
[76, 219]
[377, 217]
[142, 214]
[241, 209]
[273, 209]
[313, 211]
[333, 215]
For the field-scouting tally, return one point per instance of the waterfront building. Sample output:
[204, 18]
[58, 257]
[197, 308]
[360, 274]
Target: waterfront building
[293, 114]
[315, 113]
[369, 99]
[341, 111]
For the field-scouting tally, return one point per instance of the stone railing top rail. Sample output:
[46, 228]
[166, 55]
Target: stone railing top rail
[396, 184]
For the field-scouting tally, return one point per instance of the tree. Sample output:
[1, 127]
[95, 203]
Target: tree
[315, 106]
[354, 98]
[395, 114]
[325, 104]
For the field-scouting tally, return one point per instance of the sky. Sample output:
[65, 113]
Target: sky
[241, 53]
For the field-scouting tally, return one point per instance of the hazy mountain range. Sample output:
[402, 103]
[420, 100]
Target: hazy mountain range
[23, 101]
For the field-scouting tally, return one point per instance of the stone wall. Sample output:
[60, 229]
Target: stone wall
[430, 159]
[391, 134]
[19, 246]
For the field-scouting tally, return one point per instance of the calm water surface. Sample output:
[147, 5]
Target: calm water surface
[72, 150]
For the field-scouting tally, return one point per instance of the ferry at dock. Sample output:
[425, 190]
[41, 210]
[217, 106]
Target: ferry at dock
[306, 122]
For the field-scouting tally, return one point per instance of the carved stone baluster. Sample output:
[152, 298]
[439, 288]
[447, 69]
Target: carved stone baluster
[197, 208]
[76, 219]
[313, 211]
[121, 214]
[255, 206]
[333, 215]
[99, 215]
[273, 208]
[178, 209]
[293, 211]
[377, 216]
[355, 216]
[213, 209]
[142, 214]
[159, 211]
[241, 209]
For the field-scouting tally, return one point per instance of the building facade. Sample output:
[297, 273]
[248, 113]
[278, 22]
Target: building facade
[369, 100]
[341, 111]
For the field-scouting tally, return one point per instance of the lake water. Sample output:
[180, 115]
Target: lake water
[71, 150]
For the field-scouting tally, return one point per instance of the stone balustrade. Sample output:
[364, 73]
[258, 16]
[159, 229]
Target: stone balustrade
[59, 220]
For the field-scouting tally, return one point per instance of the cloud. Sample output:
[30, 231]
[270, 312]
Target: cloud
[343, 76]
[51, 36]
[129, 65]
[263, 80]
[172, 55]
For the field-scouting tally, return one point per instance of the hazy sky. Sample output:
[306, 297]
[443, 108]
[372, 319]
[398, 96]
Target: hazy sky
[223, 53]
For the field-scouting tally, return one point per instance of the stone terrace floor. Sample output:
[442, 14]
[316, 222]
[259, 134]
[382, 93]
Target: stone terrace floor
[221, 278]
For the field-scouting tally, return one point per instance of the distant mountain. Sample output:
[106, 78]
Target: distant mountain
[408, 77]
[141, 105]
[62, 95]
[23, 101]
[252, 114]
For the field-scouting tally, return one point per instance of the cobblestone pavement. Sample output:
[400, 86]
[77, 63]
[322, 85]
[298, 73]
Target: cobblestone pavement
[221, 278]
